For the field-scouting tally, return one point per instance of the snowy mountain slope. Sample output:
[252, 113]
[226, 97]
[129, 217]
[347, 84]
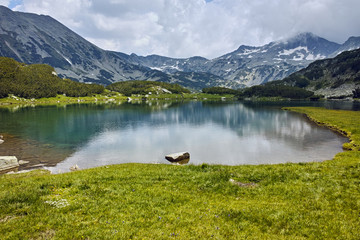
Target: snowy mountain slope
[248, 66]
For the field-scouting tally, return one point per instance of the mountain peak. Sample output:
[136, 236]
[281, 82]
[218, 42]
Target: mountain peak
[313, 43]
[304, 37]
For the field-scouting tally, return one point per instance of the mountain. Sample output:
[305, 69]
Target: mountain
[335, 77]
[351, 44]
[32, 38]
[248, 66]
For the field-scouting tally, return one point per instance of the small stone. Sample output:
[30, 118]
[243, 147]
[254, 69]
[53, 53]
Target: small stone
[23, 162]
[240, 184]
[74, 168]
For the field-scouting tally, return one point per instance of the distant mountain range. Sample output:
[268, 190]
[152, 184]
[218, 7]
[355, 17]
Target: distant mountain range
[32, 38]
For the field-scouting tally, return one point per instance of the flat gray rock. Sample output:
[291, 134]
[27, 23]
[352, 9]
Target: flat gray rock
[8, 163]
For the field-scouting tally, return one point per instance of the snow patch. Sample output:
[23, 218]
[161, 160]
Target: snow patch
[14, 50]
[157, 68]
[68, 60]
[166, 67]
[299, 57]
[312, 57]
[248, 52]
[288, 52]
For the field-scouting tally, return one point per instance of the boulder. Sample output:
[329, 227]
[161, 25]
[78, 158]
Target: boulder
[8, 163]
[181, 158]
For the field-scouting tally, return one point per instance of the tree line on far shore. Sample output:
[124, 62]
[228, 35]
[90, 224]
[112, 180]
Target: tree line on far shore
[266, 90]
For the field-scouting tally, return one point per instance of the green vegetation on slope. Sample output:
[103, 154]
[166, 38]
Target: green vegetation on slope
[219, 90]
[284, 201]
[269, 90]
[144, 87]
[328, 73]
[39, 81]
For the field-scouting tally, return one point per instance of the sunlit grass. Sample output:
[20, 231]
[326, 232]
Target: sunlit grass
[109, 97]
[148, 201]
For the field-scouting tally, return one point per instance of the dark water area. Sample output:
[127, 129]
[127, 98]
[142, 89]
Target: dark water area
[229, 133]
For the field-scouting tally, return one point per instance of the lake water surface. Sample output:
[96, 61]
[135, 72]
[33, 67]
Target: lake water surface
[230, 133]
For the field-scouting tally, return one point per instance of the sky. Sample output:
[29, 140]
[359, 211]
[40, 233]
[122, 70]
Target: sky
[185, 28]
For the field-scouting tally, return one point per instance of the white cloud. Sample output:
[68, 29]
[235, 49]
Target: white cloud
[184, 28]
[5, 2]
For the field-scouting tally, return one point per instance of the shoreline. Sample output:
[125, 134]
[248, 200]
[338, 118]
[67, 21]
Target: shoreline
[346, 146]
[316, 200]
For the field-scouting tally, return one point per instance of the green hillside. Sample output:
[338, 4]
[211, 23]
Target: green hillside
[38, 81]
[145, 87]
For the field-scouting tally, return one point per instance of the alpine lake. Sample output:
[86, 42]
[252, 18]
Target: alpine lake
[57, 137]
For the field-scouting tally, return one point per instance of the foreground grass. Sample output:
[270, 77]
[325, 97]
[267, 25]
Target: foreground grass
[284, 201]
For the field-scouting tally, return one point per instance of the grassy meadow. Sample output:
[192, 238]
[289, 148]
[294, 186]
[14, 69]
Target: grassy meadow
[150, 201]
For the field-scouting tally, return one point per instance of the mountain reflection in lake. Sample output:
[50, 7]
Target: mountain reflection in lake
[221, 133]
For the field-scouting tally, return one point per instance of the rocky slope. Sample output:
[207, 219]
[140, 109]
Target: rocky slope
[334, 78]
[248, 66]
[32, 38]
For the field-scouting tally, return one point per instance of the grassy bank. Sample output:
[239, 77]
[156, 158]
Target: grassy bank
[110, 97]
[284, 201]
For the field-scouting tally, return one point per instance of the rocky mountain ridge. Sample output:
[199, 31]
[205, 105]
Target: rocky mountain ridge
[32, 38]
[248, 66]
[336, 77]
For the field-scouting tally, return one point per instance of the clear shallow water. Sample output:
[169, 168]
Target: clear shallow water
[215, 133]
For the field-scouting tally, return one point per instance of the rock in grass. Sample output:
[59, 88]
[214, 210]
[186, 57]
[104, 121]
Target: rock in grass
[240, 184]
[74, 168]
[8, 163]
[1, 139]
[181, 158]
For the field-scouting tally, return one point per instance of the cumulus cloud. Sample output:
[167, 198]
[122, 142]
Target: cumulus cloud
[4, 2]
[209, 28]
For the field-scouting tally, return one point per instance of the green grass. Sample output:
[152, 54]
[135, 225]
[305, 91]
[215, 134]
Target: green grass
[148, 201]
[345, 122]
[109, 97]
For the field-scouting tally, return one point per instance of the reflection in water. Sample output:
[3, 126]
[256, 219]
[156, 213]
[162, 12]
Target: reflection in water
[221, 133]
